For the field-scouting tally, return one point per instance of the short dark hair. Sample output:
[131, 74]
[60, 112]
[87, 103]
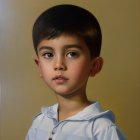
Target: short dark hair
[71, 20]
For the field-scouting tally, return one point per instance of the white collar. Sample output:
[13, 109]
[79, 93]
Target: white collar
[92, 111]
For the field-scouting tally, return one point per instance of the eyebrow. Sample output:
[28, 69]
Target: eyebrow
[44, 48]
[65, 47]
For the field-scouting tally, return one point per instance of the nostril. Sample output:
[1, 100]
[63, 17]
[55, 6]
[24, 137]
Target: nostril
[60, 68]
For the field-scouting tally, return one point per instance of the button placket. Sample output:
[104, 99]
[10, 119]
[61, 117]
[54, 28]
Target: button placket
[51, 135]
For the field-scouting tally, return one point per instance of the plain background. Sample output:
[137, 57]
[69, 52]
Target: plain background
[117, 87]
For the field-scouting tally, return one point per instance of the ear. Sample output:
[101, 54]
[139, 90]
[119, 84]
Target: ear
[36, 60]
[96, 66]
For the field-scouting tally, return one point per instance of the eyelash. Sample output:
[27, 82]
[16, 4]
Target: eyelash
[70, 54]
[47, 55]
[73, 54]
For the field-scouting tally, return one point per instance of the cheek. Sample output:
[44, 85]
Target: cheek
[81, 69]
[45, 70]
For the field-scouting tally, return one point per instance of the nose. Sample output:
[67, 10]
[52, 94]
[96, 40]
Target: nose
[60, 64]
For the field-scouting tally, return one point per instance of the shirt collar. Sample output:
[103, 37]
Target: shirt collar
[93, 111]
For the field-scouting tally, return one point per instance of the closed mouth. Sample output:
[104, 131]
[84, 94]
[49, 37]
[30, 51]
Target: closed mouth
[60, 77]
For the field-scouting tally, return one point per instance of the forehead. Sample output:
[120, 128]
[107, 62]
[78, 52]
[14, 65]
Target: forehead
[63, 41]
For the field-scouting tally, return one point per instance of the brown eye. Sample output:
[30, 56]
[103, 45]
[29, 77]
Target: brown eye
[72, 54]
[48, 55]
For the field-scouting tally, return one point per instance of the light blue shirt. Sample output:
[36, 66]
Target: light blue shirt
[92, 123]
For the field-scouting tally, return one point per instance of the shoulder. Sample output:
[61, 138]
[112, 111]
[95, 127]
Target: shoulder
[102, 123]
[105, 129]
[37, 115]
[46, 113]
[37, 119]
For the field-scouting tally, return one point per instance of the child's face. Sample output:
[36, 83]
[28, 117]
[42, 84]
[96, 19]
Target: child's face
[65, 64]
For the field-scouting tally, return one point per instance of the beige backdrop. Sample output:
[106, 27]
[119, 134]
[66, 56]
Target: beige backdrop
[22, 93]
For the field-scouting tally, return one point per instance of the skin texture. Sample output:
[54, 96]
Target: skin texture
[65, 65]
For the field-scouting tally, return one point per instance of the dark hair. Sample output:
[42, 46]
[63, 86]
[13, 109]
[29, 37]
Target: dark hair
[71, 20]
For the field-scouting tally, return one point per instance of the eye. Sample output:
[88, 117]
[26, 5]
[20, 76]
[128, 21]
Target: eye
[48, 55]
[72, 54]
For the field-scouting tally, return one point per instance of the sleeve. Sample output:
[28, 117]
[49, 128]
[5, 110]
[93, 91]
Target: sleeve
[31, 135]
[105, 129]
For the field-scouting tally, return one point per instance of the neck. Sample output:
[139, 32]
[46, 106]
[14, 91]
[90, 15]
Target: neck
[70, 106]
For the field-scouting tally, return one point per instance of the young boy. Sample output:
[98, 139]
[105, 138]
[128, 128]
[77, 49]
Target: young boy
[67, 40]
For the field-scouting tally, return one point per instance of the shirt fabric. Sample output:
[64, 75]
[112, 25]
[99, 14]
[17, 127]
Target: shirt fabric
[92, 123]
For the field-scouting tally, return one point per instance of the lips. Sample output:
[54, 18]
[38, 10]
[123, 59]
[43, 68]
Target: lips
[60, 79]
